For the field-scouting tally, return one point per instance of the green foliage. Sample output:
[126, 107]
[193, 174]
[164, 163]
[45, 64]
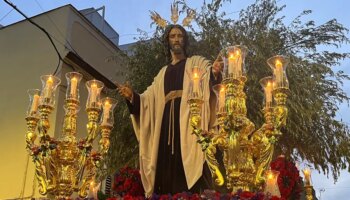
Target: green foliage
[313, 132]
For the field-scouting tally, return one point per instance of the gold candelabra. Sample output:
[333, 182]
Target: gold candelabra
[66, 165]
[247, 151]
[307, 184]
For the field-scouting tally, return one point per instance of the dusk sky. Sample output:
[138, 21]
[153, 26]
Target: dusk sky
[128, 16]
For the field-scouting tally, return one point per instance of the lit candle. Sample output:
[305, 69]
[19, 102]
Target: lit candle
[195, 82]
[93, 94]
[270, 177]
[48, 88]
[35, 104]
[222, 99]
[238, 63]
[73, 87]
[307, 175]
[279, 73]
[271, 186]
[106, 108]
[231, 64]
[268, 94]
[270, 182]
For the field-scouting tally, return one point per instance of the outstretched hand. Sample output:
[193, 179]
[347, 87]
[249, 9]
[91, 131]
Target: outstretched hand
[125, 90]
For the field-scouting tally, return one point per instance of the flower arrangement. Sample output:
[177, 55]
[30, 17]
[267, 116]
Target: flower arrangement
[213, 195]
[127, 183]
[289, 180]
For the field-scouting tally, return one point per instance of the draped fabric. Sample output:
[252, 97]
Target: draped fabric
[171, 161]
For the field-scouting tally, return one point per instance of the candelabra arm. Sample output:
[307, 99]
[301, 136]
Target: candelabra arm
[31, 136]
[308, 191]
[41, 154]
[213, 164]
[80, 173]
[104, 141]
[40, 174]
[280, 110]
[205, 140]
[264, 153]
[92, 126]
[263, 140]
[35, 153]
[195, 123]
[44, 123]
[85, 147]
[91, 172]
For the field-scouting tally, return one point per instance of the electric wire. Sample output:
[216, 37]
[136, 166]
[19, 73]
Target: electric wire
[59, 31]
[6, 15]
[46, 33]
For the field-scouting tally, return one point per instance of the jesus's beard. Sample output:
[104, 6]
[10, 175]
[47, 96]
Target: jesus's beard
[177, 49]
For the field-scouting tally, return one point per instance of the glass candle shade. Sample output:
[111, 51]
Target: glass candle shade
[271, 185]
[220, 92]
[49, 85]
[307, 176]
[234, 57]
[267, 84]
[34, 98]
[196, 84]
[94, 88]
[108, 105]
[278, 65]
[73, 81]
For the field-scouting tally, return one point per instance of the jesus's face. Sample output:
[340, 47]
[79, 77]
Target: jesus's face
[176, 41]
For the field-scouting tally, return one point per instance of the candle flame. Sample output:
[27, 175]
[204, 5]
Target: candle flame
[270, 176]
[238, 52]
[222, 89]
[306, 171]
[50, 79]
[107, 103]
[74, 79]
[235, 55]
[278, 63]
[94, 85]
[195, 75]
[268, 84]
[231, 56]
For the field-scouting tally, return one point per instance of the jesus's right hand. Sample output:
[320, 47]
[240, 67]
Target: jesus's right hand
[125, 90]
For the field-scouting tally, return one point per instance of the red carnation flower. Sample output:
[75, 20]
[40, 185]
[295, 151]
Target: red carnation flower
[246, 195]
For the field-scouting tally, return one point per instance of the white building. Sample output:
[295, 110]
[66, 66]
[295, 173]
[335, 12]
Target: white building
[26, 53]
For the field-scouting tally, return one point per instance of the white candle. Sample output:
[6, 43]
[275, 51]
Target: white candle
[106, 108]
[93, 95]
[222, 99]
[279, 73]
[48, 88]
[195, 83]
[35, 104]
[268, 95]
[231, 64]
[238, 63]
[271, 184]
[73, 86]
